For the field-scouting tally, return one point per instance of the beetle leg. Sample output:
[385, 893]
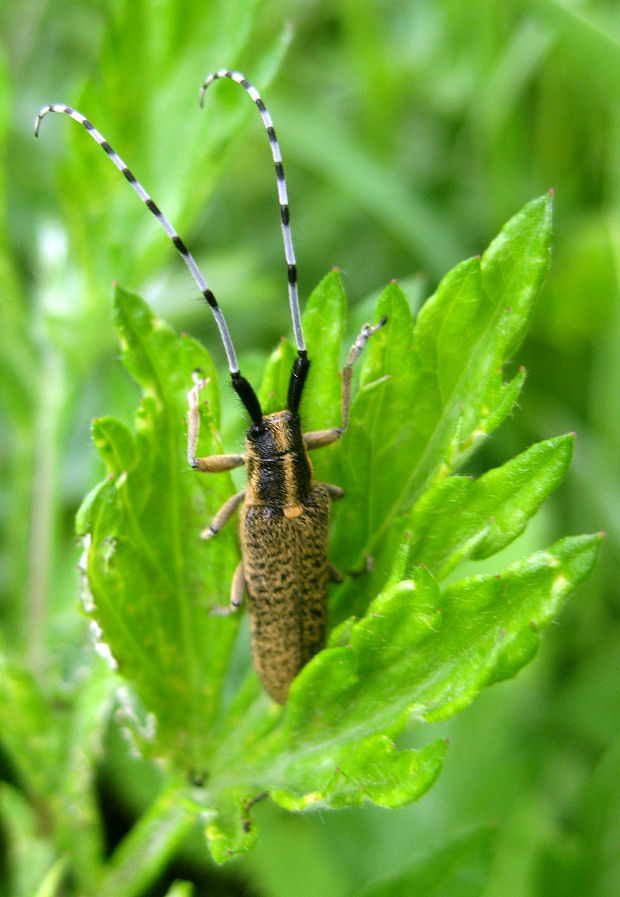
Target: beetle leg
[334, 574]
[325, 437]
[213, 463]
[347, 372]
[216, 463]
[237, 591]
[319, 438]
[335, 492]
[237, 588]
[223, 515]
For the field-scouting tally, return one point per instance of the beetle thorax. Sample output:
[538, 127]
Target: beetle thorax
[278, 467]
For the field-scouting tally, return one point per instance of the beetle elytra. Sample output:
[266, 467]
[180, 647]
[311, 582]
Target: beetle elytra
[284, 512]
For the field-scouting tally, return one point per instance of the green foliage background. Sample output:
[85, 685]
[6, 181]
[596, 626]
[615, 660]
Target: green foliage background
[410, 134]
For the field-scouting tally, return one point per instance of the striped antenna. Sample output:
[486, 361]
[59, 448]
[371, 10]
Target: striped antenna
[241, 385]
[287, 236]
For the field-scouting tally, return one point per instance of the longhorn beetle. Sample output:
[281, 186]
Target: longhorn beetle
[284, 511]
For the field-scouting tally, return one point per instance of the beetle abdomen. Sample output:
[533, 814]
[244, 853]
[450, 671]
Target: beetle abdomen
[287, 574]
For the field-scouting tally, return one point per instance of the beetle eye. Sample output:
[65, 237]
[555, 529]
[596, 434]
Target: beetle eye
[257, 430]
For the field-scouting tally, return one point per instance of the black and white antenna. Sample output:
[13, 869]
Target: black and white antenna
[287, 236]
[240, 384]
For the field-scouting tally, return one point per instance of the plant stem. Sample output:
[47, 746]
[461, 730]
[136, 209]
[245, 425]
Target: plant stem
[146, 850]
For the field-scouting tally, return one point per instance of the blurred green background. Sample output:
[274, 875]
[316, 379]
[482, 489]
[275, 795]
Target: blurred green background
[410, 131]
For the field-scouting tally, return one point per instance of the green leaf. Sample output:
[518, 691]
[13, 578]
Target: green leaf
[50, 885]
[324, 323]
[584, 858]
[115, 444]
[230, 831]
[369, 769]
[461, 518]
[457, 868]
[466, 333]
[29, 856]
[152, 580]
[274, 387]
[444, 394]
[75, 802]
[415, 651]
[27, 732]
[52, 748]
[180, 889]
[422, 651]
[380, 422]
